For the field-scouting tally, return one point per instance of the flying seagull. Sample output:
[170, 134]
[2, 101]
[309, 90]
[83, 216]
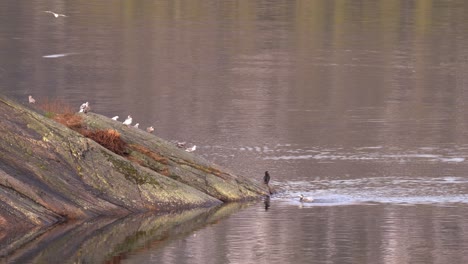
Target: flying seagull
[128, 121]
[150, 129]
[55, 14]
[31, 100]
[59, 55]
[115, 118]
[84, 108]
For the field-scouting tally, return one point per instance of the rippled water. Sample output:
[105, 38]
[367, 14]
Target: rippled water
[358, 104]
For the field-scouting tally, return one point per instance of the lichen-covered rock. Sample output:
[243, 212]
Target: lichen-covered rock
[165, 158]
[49, 173]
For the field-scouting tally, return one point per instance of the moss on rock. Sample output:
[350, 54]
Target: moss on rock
[50, 173]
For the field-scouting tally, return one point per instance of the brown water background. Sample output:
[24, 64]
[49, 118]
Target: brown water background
[359, 104]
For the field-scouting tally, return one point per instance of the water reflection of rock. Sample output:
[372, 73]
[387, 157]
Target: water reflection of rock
[104, 239]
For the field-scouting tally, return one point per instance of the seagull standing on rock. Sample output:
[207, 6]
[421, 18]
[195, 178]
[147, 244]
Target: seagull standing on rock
[150, 129]
[115, 118]
[31, 100]
[128, 121]
[136, 125]
[84, 108]
[192, 149]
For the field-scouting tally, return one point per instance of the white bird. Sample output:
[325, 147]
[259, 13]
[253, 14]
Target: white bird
[136, 125]
[31, 100]
[304, 199]
[60, 55]
[55, 14]
[128, 121]
[115, 118]
[84, 108]
[192, 149]
[150, 129]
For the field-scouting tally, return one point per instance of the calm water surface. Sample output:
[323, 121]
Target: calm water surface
[359, 104]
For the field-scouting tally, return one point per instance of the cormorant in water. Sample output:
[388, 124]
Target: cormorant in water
[266, 178]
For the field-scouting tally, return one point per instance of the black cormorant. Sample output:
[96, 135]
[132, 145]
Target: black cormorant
[266, 178]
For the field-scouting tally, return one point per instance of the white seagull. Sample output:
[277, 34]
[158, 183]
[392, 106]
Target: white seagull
[192, 149]
[136, 125]
[55, 14]
[115, 118]
[84, 108]
[59, 55]
[150, 129]
[31, 100]
[304, 199]
[128, 121]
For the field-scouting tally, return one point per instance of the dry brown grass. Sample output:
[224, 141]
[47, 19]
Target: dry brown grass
[70, 120]
[61, 112]
[53, 107]
[164, 170]
[154, 156]
[110, 139]
[66, 115]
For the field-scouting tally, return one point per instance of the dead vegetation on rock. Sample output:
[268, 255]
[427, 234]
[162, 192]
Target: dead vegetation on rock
[65, 115]
[110, 139]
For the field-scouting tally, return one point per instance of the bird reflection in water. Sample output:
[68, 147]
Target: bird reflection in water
[267, 202]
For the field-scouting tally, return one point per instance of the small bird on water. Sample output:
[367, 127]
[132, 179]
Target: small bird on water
[150, 129]
[266, 178]
[304, 199]
[128, 121]
[84, 108]
[55, 14]
[115, 118]
[31, 100]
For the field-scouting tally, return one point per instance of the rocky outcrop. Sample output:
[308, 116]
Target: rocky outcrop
[166, 159]
[50, 173]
